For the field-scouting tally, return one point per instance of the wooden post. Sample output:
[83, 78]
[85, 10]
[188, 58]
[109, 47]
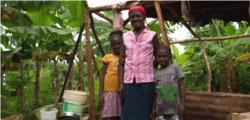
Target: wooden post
[204, 54]
[95, 34]
[161, 22]
[90, 70]
[95, 63]
[162, 26]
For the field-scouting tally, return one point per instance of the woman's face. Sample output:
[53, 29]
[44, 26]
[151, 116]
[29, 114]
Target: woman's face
[136, 19]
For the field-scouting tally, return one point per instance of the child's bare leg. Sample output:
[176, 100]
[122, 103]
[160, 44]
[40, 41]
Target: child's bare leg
[112, 118]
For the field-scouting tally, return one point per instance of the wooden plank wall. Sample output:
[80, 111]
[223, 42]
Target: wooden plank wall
[214, 105]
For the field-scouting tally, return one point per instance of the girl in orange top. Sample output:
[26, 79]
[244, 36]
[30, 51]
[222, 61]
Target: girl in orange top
[109, 99]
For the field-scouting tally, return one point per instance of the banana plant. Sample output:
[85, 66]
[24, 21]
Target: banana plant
[72, 13]
[12, 17]
[33, 5]
[223, 51]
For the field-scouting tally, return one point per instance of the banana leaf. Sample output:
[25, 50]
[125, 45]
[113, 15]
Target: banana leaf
[11, 17]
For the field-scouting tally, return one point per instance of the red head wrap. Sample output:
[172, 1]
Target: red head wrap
[140, 9]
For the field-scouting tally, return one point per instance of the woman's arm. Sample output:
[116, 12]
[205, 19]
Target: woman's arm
[156, 44]
[121, 89]
[183, 96]
[101, 86]
[153, 108]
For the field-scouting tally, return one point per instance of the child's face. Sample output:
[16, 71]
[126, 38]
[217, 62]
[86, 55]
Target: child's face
[115, 44]
[162, 57]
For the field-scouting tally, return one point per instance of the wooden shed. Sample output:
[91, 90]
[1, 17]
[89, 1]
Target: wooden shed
[196, 14]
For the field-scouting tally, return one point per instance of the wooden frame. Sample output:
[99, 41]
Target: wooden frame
[96, 10]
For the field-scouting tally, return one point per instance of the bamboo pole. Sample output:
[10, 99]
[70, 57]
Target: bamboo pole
[126, 6]
[204, 54]
[90, 71]
[209, 39]
[161, 22]
[95, 34]
[72, 59]
[109, 19]
[95, 63]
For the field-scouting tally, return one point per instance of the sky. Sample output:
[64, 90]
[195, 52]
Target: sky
[178, 34]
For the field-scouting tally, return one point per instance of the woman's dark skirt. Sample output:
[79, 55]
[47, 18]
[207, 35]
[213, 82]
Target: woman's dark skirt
[138, 101]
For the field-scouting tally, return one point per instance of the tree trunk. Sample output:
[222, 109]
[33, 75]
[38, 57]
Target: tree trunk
[36, 92]
[20, 93]
[71, 77]
[80, 85]
[55, 80]
[1, 77]
[232, 75]
[224, 76]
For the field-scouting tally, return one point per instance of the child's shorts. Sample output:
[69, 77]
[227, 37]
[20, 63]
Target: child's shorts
[168, 117]
[112, 104]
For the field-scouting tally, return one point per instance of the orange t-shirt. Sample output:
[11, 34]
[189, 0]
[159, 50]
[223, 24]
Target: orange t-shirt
[111, 82]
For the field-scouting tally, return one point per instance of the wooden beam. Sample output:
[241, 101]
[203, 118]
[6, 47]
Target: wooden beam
[204, 54]
[249, 9]
[204, 13]
[90, 70]
[130, 4]
[95, 63]
[209, 39]
[125, 22]
[141, 4]
[192, 7]
[95, 34]
[161, 22]
[109, 19]
[190, 29]
[212, 8]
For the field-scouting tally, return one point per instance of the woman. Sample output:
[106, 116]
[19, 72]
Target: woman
[136, 78]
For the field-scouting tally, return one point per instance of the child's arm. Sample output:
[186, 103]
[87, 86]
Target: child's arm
[153, 108]
[101, 86]
[121, 89]
[183, 96]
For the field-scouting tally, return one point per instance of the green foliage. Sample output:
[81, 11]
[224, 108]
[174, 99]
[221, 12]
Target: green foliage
[33, 5]
[72, 13]
[216, 51]
[40, 18]
[183, 57]
[11, 104]
[11, 17]
[41, 33]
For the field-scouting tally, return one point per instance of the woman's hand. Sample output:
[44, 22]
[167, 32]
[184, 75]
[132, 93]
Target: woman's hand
[121, 91]
[152, 115]
[181, 110]
[101, 101]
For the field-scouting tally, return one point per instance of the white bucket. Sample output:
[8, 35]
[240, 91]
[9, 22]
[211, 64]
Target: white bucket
[74, 101]
[48, 115]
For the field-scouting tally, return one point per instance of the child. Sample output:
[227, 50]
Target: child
[109, 99]
[169, 100]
